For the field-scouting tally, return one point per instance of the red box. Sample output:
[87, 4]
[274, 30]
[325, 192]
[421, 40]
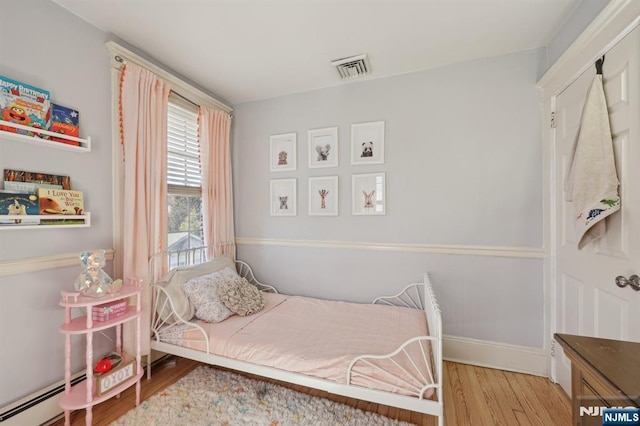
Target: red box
[109, 311]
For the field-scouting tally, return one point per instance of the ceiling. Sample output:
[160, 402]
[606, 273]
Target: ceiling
[246, 50]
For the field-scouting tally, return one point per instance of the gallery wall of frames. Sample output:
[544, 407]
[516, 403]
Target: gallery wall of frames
[368, 190]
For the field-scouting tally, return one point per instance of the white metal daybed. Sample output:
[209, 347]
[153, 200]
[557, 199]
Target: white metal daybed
[388, 352]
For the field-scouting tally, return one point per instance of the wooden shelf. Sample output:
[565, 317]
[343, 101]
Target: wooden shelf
[85, 143]
[5, 226]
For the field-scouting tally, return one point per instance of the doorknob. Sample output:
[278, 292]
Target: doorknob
[633, 281]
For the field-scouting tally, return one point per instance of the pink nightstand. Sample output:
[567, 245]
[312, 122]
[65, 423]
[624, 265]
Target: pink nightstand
[83, 394]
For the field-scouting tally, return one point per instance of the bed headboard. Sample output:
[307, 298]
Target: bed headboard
[161, 263]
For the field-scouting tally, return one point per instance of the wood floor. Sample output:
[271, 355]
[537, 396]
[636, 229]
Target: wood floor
[472, 396]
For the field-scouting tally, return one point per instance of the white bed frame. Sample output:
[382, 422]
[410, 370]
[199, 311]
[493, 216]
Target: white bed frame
[418, 296]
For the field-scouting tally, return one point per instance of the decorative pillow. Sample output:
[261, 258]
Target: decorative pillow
[241, 297]
[172, 284]
[203, 294]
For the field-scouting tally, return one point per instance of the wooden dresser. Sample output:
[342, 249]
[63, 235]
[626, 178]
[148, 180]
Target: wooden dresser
[604, 373]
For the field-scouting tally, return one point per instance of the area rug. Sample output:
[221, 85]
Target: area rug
[207, 396]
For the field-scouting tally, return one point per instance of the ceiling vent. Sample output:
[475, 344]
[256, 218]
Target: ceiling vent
[352, 67]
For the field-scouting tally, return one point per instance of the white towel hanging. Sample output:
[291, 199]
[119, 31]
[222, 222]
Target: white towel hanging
[592, 182]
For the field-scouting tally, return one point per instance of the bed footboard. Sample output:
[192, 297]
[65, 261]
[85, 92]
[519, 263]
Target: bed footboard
[415, 368]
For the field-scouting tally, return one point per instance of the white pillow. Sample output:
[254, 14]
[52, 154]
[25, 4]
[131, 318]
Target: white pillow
[202, 292]
[172, 284]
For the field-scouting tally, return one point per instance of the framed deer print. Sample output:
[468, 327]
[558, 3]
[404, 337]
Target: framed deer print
[282, 149]
[323, 147]
[367, 143]
[283, 197]
[368, 194]
[323, 196]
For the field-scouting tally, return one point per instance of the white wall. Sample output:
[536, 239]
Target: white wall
[66, 56]
[463, 168]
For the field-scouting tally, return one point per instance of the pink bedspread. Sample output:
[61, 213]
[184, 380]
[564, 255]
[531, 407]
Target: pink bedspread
[319, 338]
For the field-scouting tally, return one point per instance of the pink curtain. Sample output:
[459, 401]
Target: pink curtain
[217, 190]
[143, 126]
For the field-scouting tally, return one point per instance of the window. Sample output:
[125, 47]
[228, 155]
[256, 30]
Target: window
[184, 177]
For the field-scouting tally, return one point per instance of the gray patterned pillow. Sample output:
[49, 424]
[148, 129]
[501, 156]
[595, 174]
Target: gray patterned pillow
[202, 292]
[241, 297]
[172, 283]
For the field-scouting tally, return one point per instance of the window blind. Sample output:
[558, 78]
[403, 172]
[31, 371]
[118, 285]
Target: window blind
[183, 149]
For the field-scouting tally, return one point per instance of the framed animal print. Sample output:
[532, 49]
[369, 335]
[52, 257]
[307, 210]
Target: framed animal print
[323, 196]
[367, 143]
[369, 195]
[283, 197]
[323, 147]
[283, 152]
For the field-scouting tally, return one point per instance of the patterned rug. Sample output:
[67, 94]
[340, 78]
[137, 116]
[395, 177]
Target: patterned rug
[207, 396]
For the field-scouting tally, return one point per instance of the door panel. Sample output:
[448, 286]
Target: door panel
[585, 297]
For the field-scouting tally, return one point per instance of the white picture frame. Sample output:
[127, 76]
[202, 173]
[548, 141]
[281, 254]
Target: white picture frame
[323, 147]
[283, 197]
[368, 194]
[282, 152]
[323, 196]
[367, 143]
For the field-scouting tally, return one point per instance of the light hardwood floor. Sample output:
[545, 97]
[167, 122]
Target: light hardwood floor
[472, 396]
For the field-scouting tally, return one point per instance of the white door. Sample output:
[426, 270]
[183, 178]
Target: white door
[587, 300]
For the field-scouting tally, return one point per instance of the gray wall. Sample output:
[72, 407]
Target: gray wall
[580, 19]
[67, 57]
[463, 167]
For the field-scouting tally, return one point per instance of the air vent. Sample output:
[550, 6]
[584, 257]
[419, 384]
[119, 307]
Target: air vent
[352, 67]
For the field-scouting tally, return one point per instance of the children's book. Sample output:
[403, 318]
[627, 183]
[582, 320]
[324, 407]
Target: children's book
[11, 175]
[24, 104]
[31, 187]
[60, 201]
[65, 121]
[18, 203]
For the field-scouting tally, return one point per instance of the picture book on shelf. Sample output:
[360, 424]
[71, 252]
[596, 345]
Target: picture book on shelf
[14, 203]
[65, 121]
[24, 104]
[31, 187]
[11, 175]
[60, 201]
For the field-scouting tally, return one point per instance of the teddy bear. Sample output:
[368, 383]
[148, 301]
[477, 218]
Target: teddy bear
[93, 281]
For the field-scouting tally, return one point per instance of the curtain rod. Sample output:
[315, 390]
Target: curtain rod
[122, 54]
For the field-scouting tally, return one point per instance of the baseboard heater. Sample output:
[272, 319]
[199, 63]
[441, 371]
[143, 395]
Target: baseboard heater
[37, 408]
[42, 407]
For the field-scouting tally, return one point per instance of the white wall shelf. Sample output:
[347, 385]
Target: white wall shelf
[85, 143]
[86, 217]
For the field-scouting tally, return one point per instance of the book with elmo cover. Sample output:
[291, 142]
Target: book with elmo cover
[23, 104]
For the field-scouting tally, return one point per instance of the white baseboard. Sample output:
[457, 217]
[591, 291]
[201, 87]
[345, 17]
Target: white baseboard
[503, 356]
